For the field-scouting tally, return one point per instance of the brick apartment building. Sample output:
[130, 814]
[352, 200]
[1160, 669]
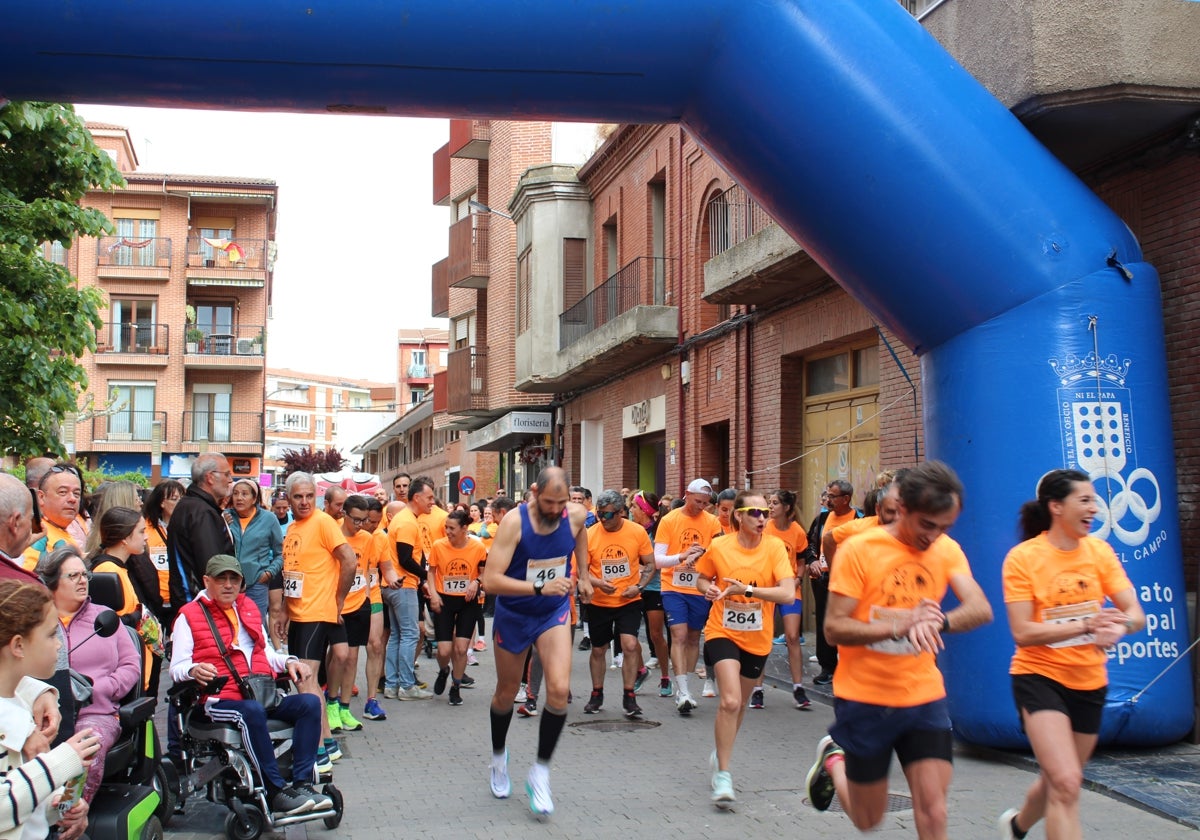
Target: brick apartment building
[312, 410]
[187, 280]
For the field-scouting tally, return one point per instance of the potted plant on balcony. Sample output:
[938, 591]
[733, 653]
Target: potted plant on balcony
[193, 335]
[256, 343]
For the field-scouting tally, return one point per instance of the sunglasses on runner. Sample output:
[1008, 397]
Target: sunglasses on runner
[756, 512]
[606, 515]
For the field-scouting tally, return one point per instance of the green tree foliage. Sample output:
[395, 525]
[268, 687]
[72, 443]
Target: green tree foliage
[48, 162]
[312, 460]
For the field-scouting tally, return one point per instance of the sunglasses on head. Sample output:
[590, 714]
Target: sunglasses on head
[756, 512]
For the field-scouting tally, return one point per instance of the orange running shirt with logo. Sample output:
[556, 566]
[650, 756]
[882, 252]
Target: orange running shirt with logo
[679, 532]
[404, 529]
[452, 568]
[55, 537]
[887, 579]
[310, 571]
[616, 558]
[847, 530]
[360, 586]
[833, 520]
[747, 622]
[794, 538]
[1063, 586]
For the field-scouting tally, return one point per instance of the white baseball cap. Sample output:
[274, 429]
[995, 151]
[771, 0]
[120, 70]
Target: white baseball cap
[699, 485]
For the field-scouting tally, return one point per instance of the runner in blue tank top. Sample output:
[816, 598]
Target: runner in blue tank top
[531, 569]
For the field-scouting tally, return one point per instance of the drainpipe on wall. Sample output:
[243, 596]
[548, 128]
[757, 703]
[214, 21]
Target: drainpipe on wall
[681, 449]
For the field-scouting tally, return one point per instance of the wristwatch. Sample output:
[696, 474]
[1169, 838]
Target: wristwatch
[749, 593]
[537, 586]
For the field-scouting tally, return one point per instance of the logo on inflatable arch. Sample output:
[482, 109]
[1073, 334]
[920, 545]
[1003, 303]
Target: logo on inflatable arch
[1096, 421]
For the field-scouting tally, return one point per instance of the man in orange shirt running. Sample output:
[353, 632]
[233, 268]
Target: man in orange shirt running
[885, 595]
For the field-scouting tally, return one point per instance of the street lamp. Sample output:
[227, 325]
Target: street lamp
[301, 387]
[483, 208]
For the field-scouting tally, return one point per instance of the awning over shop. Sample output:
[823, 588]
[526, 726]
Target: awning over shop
[510, 431]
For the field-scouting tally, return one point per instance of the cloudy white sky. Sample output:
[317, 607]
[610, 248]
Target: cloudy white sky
[357, 233]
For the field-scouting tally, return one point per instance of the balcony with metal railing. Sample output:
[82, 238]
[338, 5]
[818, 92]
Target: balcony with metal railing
[466, 381]
[224, 345]
[751, 259]
[468, 256]
[133, 258]
[127, 431]
[140, 344]
[620, 323]
[227, 262]
[228, 428]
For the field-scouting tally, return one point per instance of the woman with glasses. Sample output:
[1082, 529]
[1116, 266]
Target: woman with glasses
[742, 575]
[113, 665]
[257, 542]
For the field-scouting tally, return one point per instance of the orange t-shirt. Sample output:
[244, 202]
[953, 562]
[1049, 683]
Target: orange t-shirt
[679, 532]
[357, 596]
[432, 527]
[888, 578]
[310, 571]
[131, 600]
[794, 538]
[833, 520]
[378, 545]
[55, 537]
[616, 558]
[855, 526]
[404, 528]
[747, 622]
[156, 546]
[1063, 586]
[452, 568]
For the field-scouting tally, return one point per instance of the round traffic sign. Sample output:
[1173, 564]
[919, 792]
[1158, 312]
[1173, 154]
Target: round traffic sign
[466, 485]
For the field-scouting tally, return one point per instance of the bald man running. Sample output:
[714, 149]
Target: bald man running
[532, 571]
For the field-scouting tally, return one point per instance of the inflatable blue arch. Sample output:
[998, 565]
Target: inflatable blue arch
[1038, 324]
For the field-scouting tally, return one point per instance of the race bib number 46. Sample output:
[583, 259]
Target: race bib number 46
[546, 570]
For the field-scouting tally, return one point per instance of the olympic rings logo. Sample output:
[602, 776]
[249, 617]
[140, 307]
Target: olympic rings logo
[1126, 500]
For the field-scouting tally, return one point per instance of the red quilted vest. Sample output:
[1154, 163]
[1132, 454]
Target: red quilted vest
[204, 647]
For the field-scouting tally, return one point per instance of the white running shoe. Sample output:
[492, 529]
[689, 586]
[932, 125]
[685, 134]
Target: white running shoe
[522, 695]
[537, 785]
[684, 703]
[617, 662]
[652, 662]
[722, 790]
[501, 784]
[709, 690]
[1004, 824]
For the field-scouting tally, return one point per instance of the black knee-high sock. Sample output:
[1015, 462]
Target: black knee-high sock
[551, 727]
[500, 722]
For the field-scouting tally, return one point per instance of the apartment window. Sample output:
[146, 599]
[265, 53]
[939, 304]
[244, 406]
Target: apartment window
[211, 416]
[337, 399]
[610, 249]
[858, 368]
[133, 322]
[523, 292]
[321, 427]
[131, 412]
[215, 228]
[135, 242]
[55, 252]
[442, 354]
[215, 317]
[418, 358]
[291, 421]
[574, 274]
[418, 394]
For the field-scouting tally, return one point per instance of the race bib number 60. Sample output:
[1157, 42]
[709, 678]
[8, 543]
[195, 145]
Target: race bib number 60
[685, 578]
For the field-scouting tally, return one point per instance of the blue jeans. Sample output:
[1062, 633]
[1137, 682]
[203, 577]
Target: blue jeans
[402, 643]
[257, 592]
[302, 711]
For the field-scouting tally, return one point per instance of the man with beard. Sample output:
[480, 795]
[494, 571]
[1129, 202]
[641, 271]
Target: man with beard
[532, 571]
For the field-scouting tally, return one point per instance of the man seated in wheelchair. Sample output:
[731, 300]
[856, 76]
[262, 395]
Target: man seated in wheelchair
[220, 634]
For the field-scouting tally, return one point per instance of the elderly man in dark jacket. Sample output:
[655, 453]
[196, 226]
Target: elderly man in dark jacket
[198, 530]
